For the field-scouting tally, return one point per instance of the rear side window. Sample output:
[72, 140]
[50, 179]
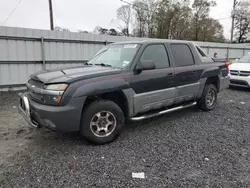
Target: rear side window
[158, 54]
[182, 55]
[204, 58]
[202, 54]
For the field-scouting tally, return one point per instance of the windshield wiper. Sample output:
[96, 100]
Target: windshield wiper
[103, 64]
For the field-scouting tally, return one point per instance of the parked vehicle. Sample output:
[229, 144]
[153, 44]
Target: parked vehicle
[240, 72]
[133, 80]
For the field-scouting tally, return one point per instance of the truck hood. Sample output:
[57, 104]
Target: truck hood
[68, 75]
[240, 66]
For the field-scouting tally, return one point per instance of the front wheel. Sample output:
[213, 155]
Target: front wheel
[102, 122]
[209, 97]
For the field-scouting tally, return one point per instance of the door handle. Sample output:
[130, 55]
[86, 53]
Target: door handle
[170, 75]
[195, 71]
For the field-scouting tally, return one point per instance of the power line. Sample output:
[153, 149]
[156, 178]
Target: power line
[223, 18]
[228, 12]
[12, 12]
[127, 2]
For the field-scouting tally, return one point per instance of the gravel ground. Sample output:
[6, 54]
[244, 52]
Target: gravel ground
[14, 131]
[188, 148]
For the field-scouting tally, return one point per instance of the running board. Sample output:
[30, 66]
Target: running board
[163, 112]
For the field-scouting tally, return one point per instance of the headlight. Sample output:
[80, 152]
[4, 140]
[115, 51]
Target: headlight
[56, 87]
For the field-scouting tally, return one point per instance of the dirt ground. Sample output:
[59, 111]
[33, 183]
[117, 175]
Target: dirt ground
[16, 135]
[188, 148]
[14, 131]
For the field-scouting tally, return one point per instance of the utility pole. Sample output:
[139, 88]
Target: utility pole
[233, 17]
[51, 15]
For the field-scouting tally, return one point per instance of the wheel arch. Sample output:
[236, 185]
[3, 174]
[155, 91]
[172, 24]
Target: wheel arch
[117, 97]
[212, 76]
[214, 80]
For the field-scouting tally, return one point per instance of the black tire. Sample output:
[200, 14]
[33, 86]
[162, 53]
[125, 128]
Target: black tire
[90, 112]
[202, 102]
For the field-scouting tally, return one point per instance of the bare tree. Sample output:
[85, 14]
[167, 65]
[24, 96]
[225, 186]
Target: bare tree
[170, 13]
[151, 17]
[113, 32]
[140, 9]
[211, 30]
[104, 31]
[82, 31]
[57, 28]
[242, 21]
[100, 30]
[175, 19]
[180, 26]
[201, 10]
[124, 15]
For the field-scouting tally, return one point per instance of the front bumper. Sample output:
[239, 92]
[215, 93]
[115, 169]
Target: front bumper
[240, 81]
[24, 109]
[59, 118]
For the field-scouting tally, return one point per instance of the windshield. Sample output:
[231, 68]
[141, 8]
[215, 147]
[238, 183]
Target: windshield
[245, 59]
[117, 55]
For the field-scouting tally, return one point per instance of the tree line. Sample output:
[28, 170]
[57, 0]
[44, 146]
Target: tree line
[170, 19]
[242, 22]
[175, 19]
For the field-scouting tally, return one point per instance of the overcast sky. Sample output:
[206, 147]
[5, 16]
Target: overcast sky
[81, 14]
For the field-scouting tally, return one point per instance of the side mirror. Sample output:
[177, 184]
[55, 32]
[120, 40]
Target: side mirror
[145, 65]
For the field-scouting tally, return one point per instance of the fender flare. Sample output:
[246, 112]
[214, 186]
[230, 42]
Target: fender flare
[100, 87]
[211, 72]
[208, 73]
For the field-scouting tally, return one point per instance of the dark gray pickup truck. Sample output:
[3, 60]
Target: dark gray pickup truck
[133, 80]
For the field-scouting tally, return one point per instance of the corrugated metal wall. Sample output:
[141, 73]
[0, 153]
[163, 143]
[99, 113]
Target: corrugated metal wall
[25, 51]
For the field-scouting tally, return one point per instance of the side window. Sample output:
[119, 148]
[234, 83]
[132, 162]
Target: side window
[182, 55]
[202, 54]
[204, 58]
[158, 54]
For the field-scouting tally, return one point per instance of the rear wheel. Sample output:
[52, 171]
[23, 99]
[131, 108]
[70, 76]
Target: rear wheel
[209, 97]
[102, 122]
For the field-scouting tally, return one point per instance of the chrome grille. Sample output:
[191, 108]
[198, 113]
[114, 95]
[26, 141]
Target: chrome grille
[244, 73]
[239, 73]
[35, 83]
[32, 93]
[234, 72]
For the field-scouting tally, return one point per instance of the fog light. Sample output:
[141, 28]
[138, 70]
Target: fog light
[50, 123]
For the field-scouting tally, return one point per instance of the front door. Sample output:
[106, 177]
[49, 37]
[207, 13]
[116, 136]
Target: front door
[154, 88]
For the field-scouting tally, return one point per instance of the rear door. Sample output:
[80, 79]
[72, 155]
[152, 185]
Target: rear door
[187, 73]
[154, 88]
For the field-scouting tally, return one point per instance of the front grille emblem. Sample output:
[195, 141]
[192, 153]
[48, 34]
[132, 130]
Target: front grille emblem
[33, 86]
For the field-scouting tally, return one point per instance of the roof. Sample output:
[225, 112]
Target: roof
[154, 41]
